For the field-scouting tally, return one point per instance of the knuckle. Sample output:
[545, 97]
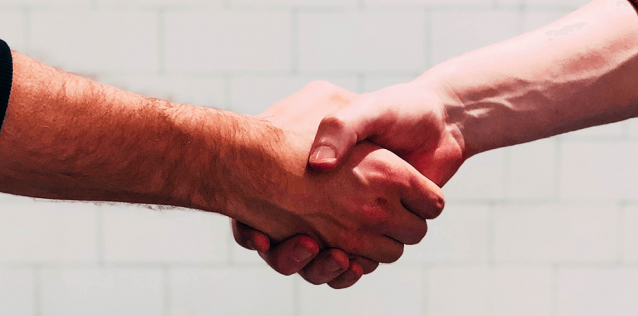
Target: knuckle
[439, 205]
[334, 122]
[396, 255]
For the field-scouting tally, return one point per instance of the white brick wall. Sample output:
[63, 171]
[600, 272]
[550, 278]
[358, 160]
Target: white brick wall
[102, 292]
[17, 292]
[547, 228]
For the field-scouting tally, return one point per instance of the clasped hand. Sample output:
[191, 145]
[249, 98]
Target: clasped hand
[368, 171]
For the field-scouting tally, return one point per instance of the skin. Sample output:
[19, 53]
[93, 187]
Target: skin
[67, 137]
[575, 73]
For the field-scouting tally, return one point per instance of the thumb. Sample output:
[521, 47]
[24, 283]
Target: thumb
[339, 132]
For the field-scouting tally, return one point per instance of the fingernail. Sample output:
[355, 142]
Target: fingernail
[333, 266]
[301, 253]
[251, 244]
[324, 154]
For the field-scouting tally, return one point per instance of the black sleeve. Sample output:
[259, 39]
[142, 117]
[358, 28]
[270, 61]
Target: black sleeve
[6, 78]
[634, 3]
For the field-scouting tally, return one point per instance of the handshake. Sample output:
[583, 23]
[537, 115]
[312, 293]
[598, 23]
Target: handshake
[337, 182]
[360, 192]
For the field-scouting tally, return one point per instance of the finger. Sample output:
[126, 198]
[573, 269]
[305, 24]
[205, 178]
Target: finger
[328, 265]
[292, 255]
[348, 278]
[423, 197]
[249, 238]
[368, 265]
[380, 249]
[405, 226]
[341, 130]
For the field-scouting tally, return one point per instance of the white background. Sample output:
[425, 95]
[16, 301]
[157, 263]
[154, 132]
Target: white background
[548, 228]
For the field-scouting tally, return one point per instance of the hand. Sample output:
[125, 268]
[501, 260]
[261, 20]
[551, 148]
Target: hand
[360, 207]
[410, 120]
[283, 257]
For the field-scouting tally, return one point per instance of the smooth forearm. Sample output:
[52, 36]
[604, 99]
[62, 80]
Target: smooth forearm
[575, 73]
[67, 137]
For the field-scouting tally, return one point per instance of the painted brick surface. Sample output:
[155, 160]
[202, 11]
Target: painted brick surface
[17, 292]
[48, 232]
[457, 32]
[630, 234]
[136, 234]
[230, 291]
[459, 235]
[482, 177]
[371, 41]
[556, 233]
[531, 170]
[102, 292]
[12, 30]
[390, 291]
[89, 42]
[259, 41]
[599, 170]
[597, 291]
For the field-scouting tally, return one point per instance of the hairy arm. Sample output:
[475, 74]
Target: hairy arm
[67, 137]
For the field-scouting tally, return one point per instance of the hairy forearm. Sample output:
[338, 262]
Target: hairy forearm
[575, 73]
[67, 137]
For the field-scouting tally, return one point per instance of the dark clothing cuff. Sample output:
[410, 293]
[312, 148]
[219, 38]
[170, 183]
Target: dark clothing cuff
[6, 78]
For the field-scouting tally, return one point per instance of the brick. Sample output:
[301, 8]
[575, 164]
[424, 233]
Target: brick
[196, 90]
[531, 171]
[226, 41]
[90, 42]
[489, 291]
[356, 41]
[630, 234]
[480, 178]
[556, 234]
[12, 30]
[533, 20]
[137, 234]
[171, 4]
[457, 32]
[17, 292]
[426, 2]
[558, 3]
[253, 95]
[388, 291]
[303, 3]
[632, 127]
[608, 131]
[97, 292]
[610, 291]
[226, 291]
[48, 232]
[374, 83]
[599, 170]
[458, 291]
[522, 291]
[459, 235]
[47, 4]
[6, 198]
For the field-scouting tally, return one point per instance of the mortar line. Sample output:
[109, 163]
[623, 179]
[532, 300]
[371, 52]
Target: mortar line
[161, 41]
[37, 290]
[294, 41]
